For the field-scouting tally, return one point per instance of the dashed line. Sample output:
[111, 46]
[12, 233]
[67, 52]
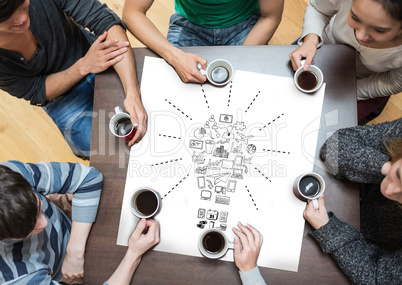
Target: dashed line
[205, 96]
[230, 92]
[251, 103]
[252, 199]
[178, 109]
[182, 180]
[167, 161]
[272, 121]
[262, 174]
[171, 137]
[278, 151]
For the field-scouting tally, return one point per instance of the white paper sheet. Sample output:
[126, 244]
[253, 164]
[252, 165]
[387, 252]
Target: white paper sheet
[262, 128]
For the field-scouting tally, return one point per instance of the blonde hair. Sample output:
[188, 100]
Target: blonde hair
[394, 148]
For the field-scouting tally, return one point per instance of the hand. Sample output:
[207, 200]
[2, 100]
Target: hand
[316, 218]
[73, 265]
[102, 54]
[246, 253]
[185, 65]
[139, 242]
[307, 50]
[139, 118]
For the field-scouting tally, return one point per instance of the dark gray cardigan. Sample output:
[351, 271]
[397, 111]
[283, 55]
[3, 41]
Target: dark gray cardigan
[373, 256]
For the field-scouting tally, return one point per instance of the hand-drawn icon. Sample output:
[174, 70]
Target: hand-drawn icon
[211, 224]
[224, 118]
[206, 125]
[202, 224]
[251, 148]
[201, 182]
[201, 170]
[239, 126]
[215, 126]
[221, 152]
[220, 189]
[238, 161]
[199, 133]
[212, 118]
[201, 213]
[227, 163]
[223, 217]
[206, 195]
[223, 141]
[243, 138]
[209, 146]
[196, 144]
[210, 185]
[237, 149]
[212, 214]
[229, 134]
[225, 200]
[237, 173]
[223, 227]
[220, 177]
[198, 158]
[232, 185]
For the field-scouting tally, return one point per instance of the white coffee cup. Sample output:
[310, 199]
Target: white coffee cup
[219, 72]
[213, 243]
[310, 80]
[121, 118]
[145, 202]
[309, 186]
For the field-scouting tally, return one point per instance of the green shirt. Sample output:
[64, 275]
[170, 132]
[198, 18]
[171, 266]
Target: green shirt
[216, 14]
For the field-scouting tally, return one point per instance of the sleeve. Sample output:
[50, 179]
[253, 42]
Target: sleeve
[85, 183]
[362, 263]
[252, 277]
[317, 16]
[91, 14]
[358, 153]
[380, 84]
[40, 277]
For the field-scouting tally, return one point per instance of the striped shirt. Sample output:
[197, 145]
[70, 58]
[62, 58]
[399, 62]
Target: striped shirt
[38, 259]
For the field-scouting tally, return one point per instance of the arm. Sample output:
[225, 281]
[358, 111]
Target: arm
[185, 64]
[380, 84]
[358, 153]
[317, 16]
[362, 263]
[247, 247]
[263, 30]
[139, 243]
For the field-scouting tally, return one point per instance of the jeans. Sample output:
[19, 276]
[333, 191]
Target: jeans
[72, 113]
[184, 33]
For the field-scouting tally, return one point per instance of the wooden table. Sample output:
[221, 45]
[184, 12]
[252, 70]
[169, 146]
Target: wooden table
[111, 156]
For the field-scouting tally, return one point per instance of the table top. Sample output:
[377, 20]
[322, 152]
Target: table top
[110, 156]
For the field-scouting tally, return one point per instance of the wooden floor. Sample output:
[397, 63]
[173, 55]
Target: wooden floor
[28, 134]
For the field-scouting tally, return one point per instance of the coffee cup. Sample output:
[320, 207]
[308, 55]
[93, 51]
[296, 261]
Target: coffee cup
[219, 72]
[145, 202]
[309, 186]
[120, 125]
[310, 80]
[213, 243]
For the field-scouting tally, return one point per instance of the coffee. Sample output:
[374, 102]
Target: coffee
[213, 242]
[123, 127]
[146, 203]
[309, 186]
[307, 80]
[219, 74]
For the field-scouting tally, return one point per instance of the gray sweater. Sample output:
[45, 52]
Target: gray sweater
[61, 42]
[374, 255]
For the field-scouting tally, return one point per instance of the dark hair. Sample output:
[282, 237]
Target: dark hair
[19, 205]
[392, 7]
[8, 7]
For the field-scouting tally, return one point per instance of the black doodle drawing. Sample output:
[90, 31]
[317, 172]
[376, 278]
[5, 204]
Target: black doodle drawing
[171, 137]
[252, 199]
[170, 103]
[277, 151]
[196, 144]
[167, 161]
[205, 96]
[262, 174]
[181, 181]
[251, 103]
[230, 92]
[272, 121]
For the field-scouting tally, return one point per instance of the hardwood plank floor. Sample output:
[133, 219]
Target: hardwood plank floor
[29, 135]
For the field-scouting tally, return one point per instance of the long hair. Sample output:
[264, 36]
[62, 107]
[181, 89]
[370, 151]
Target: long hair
[8, 7]
[19, 205]
[394, 148]
[392, 7]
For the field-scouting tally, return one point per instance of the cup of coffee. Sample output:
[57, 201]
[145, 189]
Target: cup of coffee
[219, 72]
[120, 125]
[213, 243]
[308, 81]
[145, 202]
[309, 186]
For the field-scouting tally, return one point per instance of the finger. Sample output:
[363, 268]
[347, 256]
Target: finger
[257, 235]
[237, 248]
[308, 61]
[141, 226]
[101, 38]
[247, 232]
[321, 203]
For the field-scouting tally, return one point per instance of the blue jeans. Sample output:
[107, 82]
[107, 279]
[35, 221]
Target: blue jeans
[184, 33]
[72, 113]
